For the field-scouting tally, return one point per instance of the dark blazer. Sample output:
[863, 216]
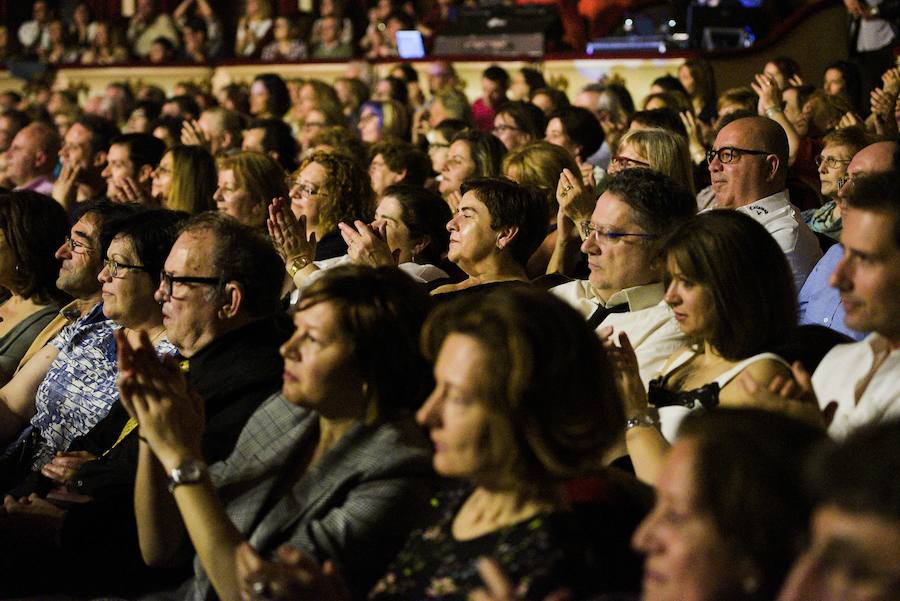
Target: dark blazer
[355, 506]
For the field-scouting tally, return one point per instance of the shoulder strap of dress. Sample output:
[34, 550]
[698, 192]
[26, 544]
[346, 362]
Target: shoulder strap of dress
[729, 375]
[686, 355]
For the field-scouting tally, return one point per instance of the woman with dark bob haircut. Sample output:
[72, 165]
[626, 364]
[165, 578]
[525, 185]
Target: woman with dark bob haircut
[333, 465]
[32, 227]
[731, 513]
[497, 227]
[732, 293]
[524, 400]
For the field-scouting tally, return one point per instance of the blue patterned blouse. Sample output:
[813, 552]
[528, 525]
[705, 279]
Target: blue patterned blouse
[80, 386]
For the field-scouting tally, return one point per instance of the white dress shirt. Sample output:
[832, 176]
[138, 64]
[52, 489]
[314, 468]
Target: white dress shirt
[783, 221]
[649, 322]
[846, 367]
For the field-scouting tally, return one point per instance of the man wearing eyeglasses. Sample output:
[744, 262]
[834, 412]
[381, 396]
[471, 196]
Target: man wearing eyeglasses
[748, 168]
[820, 303]
[81, 255]
[638, 209]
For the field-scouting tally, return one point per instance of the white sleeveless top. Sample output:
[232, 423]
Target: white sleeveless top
[674, 406]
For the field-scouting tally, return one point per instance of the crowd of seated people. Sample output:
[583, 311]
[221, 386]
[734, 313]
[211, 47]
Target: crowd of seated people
[370, 339]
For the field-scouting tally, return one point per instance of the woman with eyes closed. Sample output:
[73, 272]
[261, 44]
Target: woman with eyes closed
[732, 293]
[409, 232]
[497, 227]
[248, 181]
[327, 189]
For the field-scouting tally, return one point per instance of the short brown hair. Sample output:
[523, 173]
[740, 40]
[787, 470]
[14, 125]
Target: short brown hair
[553, 408]
[510, 204]
[382, 311]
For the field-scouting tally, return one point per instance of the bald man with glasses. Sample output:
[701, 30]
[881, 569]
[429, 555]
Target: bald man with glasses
[748, 167]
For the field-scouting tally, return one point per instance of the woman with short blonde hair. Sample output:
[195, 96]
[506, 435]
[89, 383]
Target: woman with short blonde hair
[657, 149]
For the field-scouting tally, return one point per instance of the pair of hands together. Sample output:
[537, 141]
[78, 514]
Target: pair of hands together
[366, 244]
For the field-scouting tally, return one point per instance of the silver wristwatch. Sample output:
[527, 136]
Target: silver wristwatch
[188, 472]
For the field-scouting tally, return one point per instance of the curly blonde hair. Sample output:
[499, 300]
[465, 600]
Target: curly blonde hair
[347, 191]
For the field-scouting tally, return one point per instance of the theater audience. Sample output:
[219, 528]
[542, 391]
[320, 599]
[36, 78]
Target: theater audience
[509, 443]
[497, 226]
[820, 303]
[617, 186]
[331, 465]
[32, 227]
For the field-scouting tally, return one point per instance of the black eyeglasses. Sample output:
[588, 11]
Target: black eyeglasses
[114, 266]
[728, 154]
[168, 280]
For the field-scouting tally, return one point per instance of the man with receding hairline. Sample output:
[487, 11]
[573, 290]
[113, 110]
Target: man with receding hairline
[748, 167]
[32, 156]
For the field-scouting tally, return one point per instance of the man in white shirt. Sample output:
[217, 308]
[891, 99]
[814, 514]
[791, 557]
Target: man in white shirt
[860, 382]
[637, 210]
[748, 167]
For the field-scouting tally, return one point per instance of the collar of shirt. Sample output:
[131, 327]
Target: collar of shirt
[637, 297]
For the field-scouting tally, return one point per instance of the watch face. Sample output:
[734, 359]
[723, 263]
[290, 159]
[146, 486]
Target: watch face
[189, 471]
